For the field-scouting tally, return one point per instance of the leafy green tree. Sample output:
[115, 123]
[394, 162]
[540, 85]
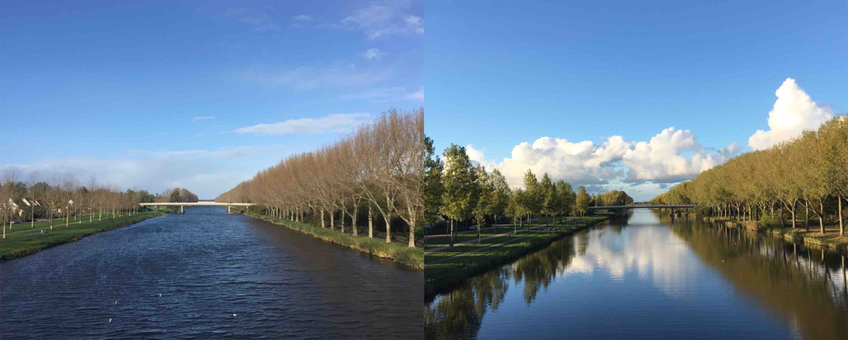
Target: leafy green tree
[460, 190]
[582, 203]
[516, 208]
[547, 193]
[484, 198]
[567, 197]
[500, 194]
[433, 186]
[533, 195]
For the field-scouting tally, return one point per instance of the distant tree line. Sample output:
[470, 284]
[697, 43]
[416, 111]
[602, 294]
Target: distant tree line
[63, 197]
[808, 173]
[176, 195]
[459, 191]
[376, 170]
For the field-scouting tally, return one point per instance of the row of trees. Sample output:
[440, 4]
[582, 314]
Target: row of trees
[176, 195]
[809, 173]
[460, 191]
[379, 167]
[63, 196]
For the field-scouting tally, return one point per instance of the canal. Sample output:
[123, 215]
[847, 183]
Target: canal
[643, 277]
[207, 274]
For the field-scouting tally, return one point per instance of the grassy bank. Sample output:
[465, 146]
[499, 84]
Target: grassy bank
[25, 241]
[445, 270]
[411, 257]
[828, 240]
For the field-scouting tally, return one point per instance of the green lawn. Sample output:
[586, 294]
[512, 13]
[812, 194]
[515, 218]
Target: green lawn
[20, 244]
[451, 270]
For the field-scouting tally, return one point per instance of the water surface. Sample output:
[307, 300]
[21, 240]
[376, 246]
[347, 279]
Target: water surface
[641, 277]
[219, 276]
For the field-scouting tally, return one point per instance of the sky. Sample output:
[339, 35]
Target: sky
[612, 95]
[202, 95]
[629, 95]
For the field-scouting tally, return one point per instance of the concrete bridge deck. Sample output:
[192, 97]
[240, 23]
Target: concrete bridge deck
[646, 206]
[182, 205]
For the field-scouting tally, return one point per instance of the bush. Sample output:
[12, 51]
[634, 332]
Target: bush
[768, 219]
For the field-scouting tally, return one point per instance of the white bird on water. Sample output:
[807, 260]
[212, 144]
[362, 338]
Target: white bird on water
[234, 314]
[160, 295]
[116, 302]
[110, 320]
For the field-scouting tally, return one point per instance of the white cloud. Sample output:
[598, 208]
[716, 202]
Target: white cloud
[661, 160]
[302, 17]
[332, 123]
[205, 172]
[224, 153]
[382, 19]
[196, 118]
[372, 54]
[793, 112]
[417, 95]
[260, 20]
[308, 78]
[378, 94]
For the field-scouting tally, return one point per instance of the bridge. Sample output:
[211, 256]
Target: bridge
[182, 205]
[646, 206]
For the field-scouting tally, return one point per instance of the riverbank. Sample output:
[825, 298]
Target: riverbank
[450, 267]
[829, 240]
[28, 241]
[410, 257]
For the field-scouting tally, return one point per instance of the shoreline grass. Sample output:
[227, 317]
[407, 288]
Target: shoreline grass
[410, 257]
[451, 271]
[18, 245]
[830, 240]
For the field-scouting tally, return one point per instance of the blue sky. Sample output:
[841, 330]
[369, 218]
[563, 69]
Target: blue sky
[608, 95]
[163, 94]
[498, 76]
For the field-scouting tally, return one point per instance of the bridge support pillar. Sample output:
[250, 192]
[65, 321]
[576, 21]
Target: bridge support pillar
[672, 215]
[182, 209]
[228, 209]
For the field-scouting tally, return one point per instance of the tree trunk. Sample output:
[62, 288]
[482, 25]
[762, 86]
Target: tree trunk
[807, 217]
[370, 223]
[353, 219]
[821, 217]
[451, 234]
[839, 212]
[388, 228]
[412, 232]
[332, 219]
[322, 218]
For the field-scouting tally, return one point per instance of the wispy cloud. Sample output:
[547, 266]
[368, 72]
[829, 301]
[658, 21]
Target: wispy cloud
[223, 153]
[206, 172]
[417, 95]
[337, 123]
[381, 19]
[309, 77]
[302, 17]
[372, 54]
[260, 20]
[197, 118]
[377, 95]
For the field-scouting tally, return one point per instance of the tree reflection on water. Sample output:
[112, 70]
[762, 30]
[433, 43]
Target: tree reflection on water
[807, 288]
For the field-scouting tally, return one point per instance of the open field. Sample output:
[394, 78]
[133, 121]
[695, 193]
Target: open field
[19, 244]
